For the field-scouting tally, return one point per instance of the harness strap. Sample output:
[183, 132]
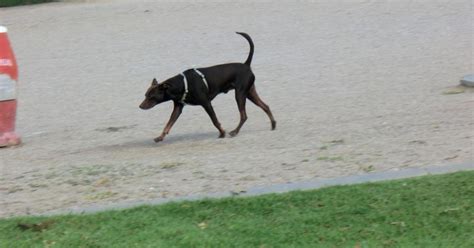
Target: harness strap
[185, 88]
[183, 98]
[202, 76]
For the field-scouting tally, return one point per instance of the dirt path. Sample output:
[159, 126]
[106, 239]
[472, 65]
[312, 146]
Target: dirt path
[355, 87]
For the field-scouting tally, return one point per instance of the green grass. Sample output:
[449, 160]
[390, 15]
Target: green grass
[431, 211]
[9, 3]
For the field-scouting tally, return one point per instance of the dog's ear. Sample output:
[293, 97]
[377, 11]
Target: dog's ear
[163, 86]
[154, 82]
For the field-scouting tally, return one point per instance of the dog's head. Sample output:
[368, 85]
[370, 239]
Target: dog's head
[155, 94]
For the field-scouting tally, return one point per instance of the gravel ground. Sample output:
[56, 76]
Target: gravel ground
[356, 87]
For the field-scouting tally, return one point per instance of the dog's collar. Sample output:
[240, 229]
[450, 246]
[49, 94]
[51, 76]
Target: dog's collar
[185, 88]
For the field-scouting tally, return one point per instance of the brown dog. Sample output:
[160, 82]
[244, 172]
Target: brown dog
[200, 86]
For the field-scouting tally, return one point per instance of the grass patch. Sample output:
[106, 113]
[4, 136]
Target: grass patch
[454, 90]
[10, 3]
[367, 168]
[430, 211]
[170, 165]
[331, 159]
[101, 195]
[337, 142]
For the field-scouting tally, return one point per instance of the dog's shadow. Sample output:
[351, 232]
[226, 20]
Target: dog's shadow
[169, 140]
[179, 138]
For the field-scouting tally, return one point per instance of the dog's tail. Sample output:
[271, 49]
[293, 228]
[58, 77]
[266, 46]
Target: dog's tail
[249, 58]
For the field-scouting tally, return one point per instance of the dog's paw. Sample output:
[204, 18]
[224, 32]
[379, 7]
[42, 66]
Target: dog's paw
[158, 139]
[222, 135]
[233, 133]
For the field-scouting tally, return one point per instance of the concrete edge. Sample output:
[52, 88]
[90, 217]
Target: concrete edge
[277, 188]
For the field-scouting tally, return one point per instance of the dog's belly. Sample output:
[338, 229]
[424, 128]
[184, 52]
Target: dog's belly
[228, 87]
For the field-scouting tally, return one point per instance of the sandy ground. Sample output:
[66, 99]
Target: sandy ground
[356, 86]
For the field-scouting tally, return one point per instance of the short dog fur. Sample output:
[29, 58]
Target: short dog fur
[220, 79]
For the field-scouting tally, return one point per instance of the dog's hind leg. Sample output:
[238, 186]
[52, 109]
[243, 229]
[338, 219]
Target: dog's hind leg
[241, 98]
[253, 96]
[210, 111]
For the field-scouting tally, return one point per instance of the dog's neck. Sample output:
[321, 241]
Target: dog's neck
[176, 91]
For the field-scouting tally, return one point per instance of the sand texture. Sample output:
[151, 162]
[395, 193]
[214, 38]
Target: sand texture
[355, 86]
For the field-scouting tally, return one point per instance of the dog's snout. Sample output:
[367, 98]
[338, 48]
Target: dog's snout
[146, 104]
[142, 105]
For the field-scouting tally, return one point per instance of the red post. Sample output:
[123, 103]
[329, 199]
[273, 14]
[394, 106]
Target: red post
[8, 92]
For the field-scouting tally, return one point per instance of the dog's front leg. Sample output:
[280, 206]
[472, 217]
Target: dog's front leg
[212, 114]
[178, 108]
